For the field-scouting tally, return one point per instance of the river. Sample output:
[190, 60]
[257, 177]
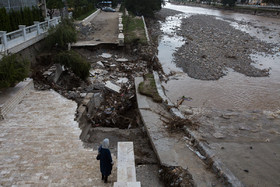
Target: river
[233, 91]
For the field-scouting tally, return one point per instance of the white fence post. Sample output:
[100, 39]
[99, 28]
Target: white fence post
[22, 27]
[48, 20]
[37, 27]
[4, 39]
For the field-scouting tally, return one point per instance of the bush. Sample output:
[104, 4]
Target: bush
[61, 35]
[149, 88]
[230, 3]
[75, 62]
[143, 7]
[13, 70]
[134, 30]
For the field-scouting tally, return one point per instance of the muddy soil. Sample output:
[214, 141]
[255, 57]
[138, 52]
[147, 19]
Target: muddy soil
[213, 45]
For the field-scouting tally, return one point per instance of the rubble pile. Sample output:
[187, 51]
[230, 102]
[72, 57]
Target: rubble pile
[84, 31]
[111, 83]
[176, 176]
[114, 77]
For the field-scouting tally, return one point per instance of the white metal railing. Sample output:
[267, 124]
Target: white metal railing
[24, 34]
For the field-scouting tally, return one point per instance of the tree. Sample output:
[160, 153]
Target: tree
[4, 20]
[75, 62]
[27, 16]
[61, 35]
[230, 3]
[143, 7]
[52, 5]
[275, 2]
[13, 69]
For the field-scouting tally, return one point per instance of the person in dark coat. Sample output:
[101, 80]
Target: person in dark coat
[106, 162]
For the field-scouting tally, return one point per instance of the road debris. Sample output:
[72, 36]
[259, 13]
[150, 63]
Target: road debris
[176, 176]
[112, 87]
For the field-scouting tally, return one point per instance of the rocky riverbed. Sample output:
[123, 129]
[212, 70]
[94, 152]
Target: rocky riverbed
[212, 46]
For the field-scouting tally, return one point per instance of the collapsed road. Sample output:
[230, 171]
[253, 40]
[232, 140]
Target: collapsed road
[108, 97]
[107, 109]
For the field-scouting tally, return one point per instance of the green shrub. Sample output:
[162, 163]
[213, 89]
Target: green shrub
[134, 30]
[143, 7]
[230, 3]
[75, 62]
[13, 70]
[149, 88]
[61, 35]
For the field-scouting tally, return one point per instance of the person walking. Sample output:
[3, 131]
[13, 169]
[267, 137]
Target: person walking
[106, 162]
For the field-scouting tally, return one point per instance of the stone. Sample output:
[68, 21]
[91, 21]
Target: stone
[100, 64]
[122, 60]
[218, 135]
[106, 55]
[122, 80]
[109, 85]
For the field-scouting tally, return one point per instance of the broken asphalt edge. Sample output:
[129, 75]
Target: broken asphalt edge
[217, 166]
[90, 17]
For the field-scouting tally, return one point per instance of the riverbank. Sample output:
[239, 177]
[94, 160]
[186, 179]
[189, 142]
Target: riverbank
[238, 128]
[258, 11]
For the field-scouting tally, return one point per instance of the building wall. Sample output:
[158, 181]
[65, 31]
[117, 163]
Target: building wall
[17, 4]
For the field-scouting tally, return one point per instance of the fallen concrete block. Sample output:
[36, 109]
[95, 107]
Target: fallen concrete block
[100, 64]
[122, 80]
[121, 60]
[112, 86]
[106, 55]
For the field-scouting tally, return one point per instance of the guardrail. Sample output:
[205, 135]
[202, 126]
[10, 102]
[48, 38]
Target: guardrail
[91, 17]
[18, 40]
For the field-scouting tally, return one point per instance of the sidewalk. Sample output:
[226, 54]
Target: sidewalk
[40, 146]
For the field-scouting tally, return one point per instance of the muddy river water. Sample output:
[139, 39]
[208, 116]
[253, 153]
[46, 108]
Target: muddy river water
[234, 90]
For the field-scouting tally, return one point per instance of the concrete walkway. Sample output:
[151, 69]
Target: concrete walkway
[104, 30]
[40, 146]
[171, 148]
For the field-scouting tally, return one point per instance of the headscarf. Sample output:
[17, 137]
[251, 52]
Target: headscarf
[105, 143]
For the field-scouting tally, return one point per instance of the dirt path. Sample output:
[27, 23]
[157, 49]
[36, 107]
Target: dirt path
[102, 29]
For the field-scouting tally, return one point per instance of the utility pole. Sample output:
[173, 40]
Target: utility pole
[9, 5]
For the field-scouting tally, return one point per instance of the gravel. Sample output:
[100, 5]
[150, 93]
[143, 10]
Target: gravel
[212, 46]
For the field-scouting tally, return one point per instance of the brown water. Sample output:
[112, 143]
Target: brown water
[235, 90]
